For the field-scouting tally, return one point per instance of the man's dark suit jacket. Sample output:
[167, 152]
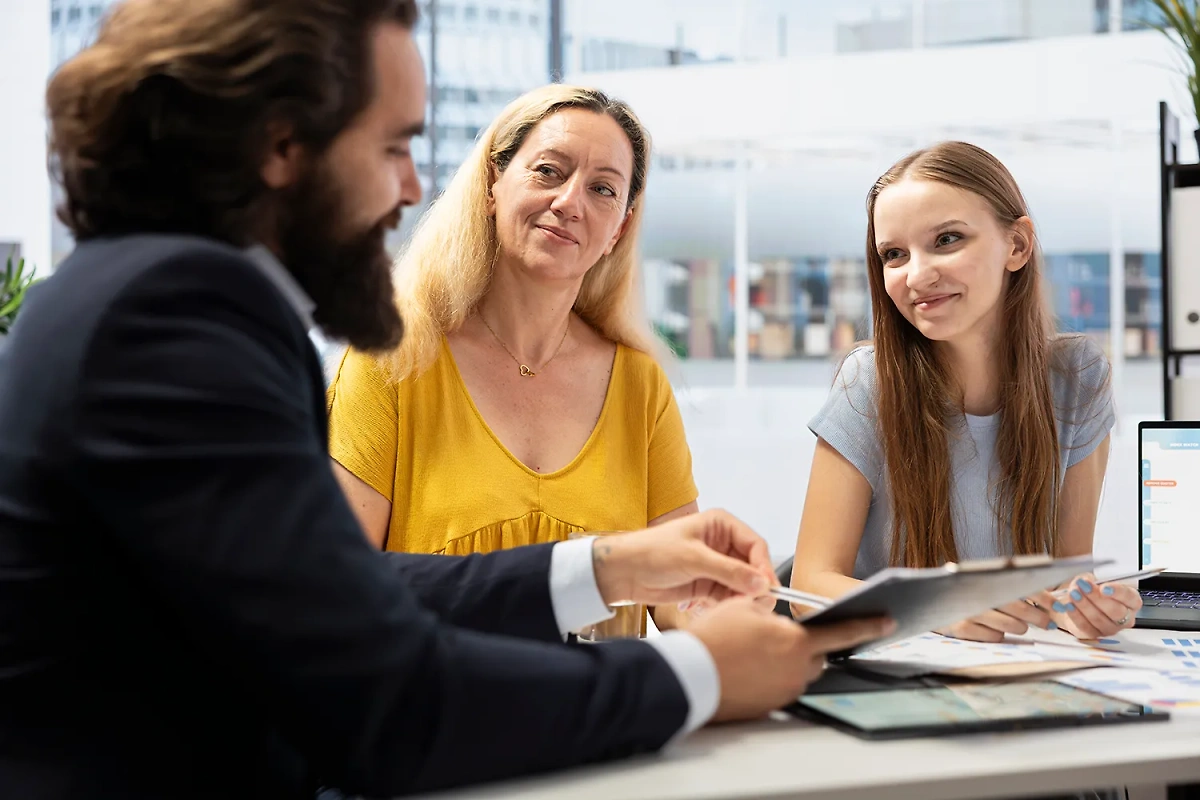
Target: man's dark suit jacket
[188, 607]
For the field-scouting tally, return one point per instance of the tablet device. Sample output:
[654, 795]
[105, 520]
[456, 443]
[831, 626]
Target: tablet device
[922, 600]
[968, 708]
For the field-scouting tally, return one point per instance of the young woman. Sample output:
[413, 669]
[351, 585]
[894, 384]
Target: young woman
[967, 429]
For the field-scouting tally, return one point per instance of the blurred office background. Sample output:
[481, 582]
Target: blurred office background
[771, 119]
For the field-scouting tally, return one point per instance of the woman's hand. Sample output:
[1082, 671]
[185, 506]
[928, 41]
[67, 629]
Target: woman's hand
[1095, 611]
[1015, 618]
[694, 609]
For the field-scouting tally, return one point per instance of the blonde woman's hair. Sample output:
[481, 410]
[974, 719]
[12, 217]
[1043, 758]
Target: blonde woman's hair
[446, 268]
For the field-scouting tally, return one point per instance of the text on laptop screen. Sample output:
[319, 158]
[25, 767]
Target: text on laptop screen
[1171, 498]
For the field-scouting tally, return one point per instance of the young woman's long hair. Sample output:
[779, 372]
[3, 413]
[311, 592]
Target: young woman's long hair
[446, 268]
[919, 398]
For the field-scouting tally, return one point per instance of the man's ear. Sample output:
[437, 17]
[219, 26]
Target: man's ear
[284, 157]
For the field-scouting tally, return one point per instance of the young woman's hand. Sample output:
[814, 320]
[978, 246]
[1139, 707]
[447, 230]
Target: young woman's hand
[1094, 611]
[1015, 618]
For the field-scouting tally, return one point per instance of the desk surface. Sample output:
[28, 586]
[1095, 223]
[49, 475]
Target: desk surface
[787, 758]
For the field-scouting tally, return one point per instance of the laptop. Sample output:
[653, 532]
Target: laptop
[1169, 524]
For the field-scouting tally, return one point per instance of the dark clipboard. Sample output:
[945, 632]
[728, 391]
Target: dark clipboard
[922, 600]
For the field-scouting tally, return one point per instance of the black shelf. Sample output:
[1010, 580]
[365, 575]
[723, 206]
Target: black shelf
[1183, 176]
[1172, 175]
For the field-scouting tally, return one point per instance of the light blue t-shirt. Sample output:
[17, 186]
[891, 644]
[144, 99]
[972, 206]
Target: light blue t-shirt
[1083, 407]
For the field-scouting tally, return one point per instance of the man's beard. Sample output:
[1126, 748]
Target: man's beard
[346, 273]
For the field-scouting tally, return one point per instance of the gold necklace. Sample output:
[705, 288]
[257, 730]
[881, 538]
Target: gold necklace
[526, 372]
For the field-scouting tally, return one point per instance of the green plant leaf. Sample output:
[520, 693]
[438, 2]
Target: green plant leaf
[16, 282]
[9, 309]
[1181, 25]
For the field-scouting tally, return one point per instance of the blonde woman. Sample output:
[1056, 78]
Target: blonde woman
[526, 401]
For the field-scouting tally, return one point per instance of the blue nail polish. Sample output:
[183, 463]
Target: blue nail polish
[1059, 607]
[1052, 626]
[1107, 590]
[1070, 606]
[1075, 595]
[1087, 587]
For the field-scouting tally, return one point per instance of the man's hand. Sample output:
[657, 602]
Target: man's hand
[766, 660]
[710, 555]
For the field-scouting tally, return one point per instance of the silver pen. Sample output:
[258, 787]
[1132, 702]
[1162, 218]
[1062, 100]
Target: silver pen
[801, 598]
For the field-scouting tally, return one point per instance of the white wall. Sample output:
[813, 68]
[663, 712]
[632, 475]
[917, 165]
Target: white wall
[818, 206]
[1069, 81]
[24, 182]
[1042, 106]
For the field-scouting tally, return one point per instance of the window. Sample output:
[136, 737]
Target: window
[55, 18]
[96, 11]
[514, 17]
[74, 14]
[493, 15]
[459, 134]
[535, 21]
[471, 13]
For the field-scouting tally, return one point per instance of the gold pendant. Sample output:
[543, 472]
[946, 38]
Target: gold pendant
[526, 372]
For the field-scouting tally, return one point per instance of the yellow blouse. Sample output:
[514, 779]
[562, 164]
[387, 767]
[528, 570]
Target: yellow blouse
[456, 489]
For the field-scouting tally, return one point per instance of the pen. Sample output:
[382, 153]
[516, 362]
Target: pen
[1129, 576]
[802, 598]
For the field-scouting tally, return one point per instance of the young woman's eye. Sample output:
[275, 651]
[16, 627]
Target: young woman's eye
[947, 238]
[891, 254]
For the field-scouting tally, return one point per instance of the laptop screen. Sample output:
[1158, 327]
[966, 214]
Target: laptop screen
[1170, 498]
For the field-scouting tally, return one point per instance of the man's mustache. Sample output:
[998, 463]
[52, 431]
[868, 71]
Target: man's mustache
[392, 221]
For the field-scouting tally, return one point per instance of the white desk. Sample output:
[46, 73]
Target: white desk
[785, 758]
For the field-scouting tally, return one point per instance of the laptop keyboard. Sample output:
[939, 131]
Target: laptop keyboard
[1171, 599]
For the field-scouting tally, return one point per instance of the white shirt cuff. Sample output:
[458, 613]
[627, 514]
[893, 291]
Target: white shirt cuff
[697, 673]
[574, 595]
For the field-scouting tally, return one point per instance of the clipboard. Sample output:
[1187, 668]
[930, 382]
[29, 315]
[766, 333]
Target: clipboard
[922, 600]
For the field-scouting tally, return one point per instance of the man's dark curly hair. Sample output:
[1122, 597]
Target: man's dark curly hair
[163, 123]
